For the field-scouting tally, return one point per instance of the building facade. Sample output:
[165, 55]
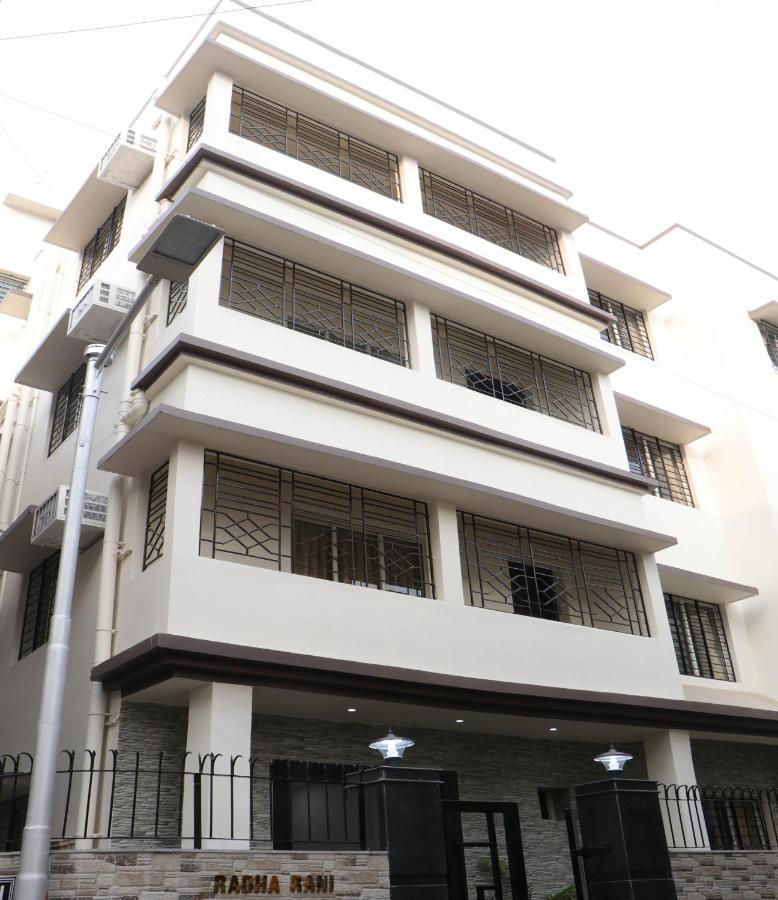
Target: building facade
[416, 444]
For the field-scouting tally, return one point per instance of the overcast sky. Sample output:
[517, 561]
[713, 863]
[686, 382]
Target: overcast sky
[657, 111]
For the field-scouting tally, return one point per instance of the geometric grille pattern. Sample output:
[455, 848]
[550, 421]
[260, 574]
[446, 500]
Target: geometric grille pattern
[294, 134]
[176, 300]
[280, 519]
[265, 285]
[41, 588]
[699, 638]
[196, 122]
[629, 330]
[655, 458]
[770, 337]
[155, 517]
[511, 568]
[106, 238]
[490, 220]
[510, 373]
[67, 408]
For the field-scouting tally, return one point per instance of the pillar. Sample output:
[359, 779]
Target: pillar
[410, 187]
[669, 762]
[218, 102]
[219, 741]
[446, 563]
[420, 346]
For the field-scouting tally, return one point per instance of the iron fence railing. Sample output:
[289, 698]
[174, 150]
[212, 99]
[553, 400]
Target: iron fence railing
[511, 568]
[494, 367]
[294, 134]
[196, 123]
[262, 284]
[290, 521]
[629, 330]
[719, 817]
[656, 458]
[463, 208]
[167, 800]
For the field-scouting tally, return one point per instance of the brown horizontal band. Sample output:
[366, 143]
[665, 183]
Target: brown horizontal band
[204, 153]
[164, 656]
[197, 348]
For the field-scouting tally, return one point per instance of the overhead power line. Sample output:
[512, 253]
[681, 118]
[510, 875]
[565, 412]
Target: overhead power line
[21, 37]
[58, 115]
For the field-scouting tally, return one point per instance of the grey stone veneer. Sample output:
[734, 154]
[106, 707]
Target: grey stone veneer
[726, 875]
[189, 875]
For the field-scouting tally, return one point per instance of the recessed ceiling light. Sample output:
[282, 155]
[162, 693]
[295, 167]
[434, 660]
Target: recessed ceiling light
[460, 721]
[553, 729]
[351, 709]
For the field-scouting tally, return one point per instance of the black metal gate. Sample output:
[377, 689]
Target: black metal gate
[483, 850]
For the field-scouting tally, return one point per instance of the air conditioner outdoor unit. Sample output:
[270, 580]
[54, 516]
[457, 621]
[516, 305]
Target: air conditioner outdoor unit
[98, 310]
[128, 160]
[49, 520]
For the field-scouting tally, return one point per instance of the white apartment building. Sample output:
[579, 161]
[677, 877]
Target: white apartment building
[416, 444]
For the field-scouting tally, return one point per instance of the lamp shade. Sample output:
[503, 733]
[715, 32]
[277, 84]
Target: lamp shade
[392, 747]
[613, 760]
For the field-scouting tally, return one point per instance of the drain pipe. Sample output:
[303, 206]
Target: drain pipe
[15, 459]
[9, 422]
[26, 451]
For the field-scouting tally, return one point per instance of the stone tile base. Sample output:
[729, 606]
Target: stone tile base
[191, 874]
[725, 874]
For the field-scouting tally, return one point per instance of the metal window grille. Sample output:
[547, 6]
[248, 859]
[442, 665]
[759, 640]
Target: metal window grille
[490, 220]
[629, 330]
[196, 122]
[105, 239]
[281, 519]
[510, 373]
[176, 299]
[770, 337]
[39, 603]
[511, 568]
[294, 134]
[732, 817]
[155, 517]
[67, 408]
[699, 638]
[662, 460]
[267, 286]
[9, 283]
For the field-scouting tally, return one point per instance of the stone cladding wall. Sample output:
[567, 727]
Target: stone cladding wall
[725, 875]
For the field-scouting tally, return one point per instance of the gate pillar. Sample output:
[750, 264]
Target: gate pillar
[404, 816]
[624, 846]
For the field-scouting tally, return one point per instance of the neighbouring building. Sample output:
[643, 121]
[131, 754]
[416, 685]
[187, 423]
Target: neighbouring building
[416, 444]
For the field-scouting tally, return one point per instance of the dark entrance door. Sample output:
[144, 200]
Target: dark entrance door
[483, 851]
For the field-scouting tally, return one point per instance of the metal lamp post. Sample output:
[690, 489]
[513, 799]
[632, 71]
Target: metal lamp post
[176, 253]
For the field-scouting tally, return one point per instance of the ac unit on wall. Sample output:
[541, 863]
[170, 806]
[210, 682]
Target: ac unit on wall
[49, 520]
[128, 160]
[98, 309]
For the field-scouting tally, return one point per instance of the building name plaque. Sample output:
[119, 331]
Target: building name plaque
[271, 884]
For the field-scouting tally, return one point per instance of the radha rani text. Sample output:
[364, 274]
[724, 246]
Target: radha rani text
[270, 884]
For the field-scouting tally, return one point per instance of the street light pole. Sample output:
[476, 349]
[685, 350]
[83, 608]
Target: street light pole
[177, 252]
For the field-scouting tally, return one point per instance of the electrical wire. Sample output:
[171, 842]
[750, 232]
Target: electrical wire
[32, 168]
[58, 115]
[21, 37]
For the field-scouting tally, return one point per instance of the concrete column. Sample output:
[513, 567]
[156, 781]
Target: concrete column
[420, 345]
[669, 762]
[410, 188]
[445, 553]
[608, 413]
[218, 99]
[219, 741]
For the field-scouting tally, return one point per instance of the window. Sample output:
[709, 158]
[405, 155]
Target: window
[498, 224]
[311, 808]
[176, 299]
[629, 330]
[294, 134]
[10, 283]
[39, 604]
[511, 568]
[699, 638]
[155, 517]
[280, 519]
[267, 286]
[106, 238]
[734, 823]
[196, 122]
[498, 369]
[67, 408]
[770, 337]
[553, 803]
[655, 458]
